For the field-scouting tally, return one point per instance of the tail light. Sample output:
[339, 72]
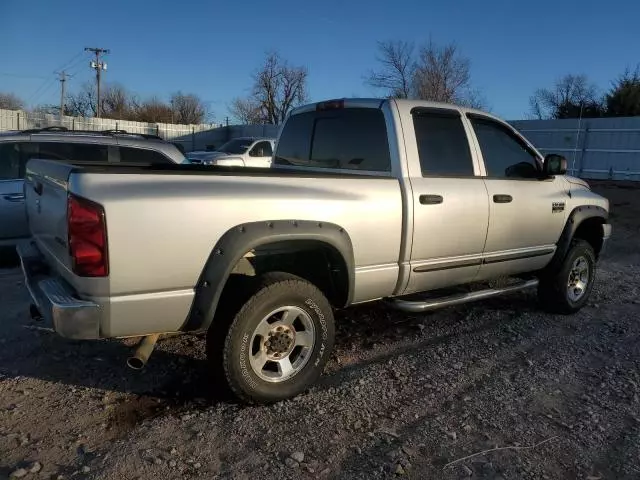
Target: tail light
[87, 237]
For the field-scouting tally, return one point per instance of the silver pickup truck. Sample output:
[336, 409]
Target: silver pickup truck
[418, 204]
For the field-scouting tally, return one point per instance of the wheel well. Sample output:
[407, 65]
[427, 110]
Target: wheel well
[590, 230]
[317, 262]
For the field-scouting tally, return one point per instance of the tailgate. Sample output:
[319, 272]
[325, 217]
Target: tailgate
[46, 187]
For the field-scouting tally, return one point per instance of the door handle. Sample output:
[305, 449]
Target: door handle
[502, 198]
[430, 199]
[37, 187]
[14, 197]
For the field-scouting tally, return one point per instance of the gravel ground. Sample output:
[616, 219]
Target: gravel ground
[404, 395]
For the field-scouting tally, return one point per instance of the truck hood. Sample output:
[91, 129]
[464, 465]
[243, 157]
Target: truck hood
[227, 160]
[577, 181]
[211, 155]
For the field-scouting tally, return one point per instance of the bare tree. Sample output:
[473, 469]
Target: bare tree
[116, 103]
[570, 97]
[187, 108]
[397, 68]
[443, 75]
[277, 88]
[438, 73]
[247, 111]
[9, 101]
[82, 103]
[153, 110]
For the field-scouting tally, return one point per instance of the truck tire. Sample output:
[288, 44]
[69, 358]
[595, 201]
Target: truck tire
[279, 340]
[567, 289]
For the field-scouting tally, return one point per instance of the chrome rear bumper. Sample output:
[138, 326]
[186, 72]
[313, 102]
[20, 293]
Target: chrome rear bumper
[56, 301]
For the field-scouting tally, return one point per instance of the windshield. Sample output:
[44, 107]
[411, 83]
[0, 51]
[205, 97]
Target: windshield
[237, 146]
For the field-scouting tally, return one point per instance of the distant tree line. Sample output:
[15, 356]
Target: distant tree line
[117, 103]
[9, 101]
[573, 96]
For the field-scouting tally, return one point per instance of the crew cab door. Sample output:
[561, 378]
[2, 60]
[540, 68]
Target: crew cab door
[450, 204]
[526, 213]
[260, 155]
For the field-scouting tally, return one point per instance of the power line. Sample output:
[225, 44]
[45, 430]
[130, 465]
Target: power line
[74, 58]
[45, 87]
[75, 66]
[98, 66]
[49, 81]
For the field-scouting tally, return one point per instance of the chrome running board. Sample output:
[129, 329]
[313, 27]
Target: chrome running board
[417, 306]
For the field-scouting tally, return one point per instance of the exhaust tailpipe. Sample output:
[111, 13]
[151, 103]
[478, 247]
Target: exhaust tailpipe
[143, 352]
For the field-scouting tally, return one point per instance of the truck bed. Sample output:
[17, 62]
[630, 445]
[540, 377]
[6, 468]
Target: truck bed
[163, 221]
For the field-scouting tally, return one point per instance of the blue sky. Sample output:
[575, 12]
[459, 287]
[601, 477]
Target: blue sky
[211, 48]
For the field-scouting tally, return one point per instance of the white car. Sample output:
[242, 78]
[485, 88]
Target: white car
[243, 152]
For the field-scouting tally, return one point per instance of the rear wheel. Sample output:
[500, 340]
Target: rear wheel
[567, 290]
[279, 341]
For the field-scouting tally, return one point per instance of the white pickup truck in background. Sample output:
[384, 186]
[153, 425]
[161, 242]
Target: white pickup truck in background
[419, 204]
[239, 152]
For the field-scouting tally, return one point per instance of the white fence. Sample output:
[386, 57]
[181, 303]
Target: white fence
[21, 120]
[598, 148]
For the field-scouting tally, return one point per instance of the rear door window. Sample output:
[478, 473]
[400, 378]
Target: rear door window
[345, 139]
[442, 143]
[73, 152]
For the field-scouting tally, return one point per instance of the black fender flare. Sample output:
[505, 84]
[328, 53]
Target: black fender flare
[575, 218]
[239, 240]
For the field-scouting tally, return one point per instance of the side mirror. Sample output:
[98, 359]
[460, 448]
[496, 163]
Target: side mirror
[554, 164]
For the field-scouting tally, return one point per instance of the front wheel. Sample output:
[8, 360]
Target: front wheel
[279, 341]
[568, 289]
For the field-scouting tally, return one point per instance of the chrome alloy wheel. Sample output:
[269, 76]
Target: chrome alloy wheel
[281, 344]
[578, 279]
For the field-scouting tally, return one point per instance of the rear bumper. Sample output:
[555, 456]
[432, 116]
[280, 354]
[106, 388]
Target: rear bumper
[70, 316]
[606, 234]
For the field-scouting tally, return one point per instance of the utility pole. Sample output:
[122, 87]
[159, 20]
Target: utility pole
[98, 66]
[63, 78]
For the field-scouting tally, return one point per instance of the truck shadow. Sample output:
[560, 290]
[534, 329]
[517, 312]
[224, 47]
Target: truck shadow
[9, 258]
[178, 374]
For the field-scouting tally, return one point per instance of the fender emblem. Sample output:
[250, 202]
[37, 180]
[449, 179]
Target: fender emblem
[557, 207]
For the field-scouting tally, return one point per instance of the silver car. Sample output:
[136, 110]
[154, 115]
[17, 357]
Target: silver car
[58, 143]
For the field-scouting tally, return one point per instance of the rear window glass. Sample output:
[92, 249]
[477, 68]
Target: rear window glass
[10, 161]
[348, 139]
